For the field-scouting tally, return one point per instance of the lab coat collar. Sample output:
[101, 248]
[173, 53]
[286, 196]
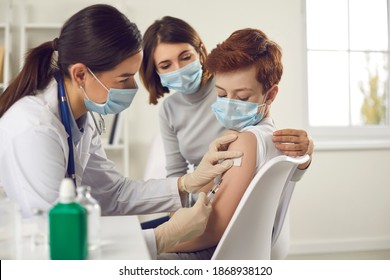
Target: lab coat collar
[77, 127]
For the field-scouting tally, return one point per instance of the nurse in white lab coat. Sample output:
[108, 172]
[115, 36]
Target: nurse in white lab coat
[46, 132]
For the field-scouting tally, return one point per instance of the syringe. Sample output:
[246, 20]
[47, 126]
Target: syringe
[218, 180]
[213, 190]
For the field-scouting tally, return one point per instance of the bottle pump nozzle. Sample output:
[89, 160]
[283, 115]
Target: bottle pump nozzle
[67, 191]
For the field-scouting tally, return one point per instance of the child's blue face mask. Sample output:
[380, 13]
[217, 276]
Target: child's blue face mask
[184, 80]
[117, 101]
[236, 114]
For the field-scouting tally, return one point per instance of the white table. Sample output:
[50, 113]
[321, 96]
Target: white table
[120, 239]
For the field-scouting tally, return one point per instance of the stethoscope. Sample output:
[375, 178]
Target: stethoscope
[65, 118]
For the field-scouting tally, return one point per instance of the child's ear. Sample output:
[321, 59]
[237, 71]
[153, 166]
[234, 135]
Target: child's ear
[272, 93]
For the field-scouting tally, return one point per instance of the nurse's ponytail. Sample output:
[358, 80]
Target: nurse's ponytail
[35, 75]
[99, 36]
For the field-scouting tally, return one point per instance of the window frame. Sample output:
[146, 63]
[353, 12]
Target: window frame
[350, 137]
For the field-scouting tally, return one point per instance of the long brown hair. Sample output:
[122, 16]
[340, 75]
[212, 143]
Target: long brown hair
[167, 30]
[98, 36]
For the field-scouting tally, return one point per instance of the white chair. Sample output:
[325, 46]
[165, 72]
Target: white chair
[249, 232]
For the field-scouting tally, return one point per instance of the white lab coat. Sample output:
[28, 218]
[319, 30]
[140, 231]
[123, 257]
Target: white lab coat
[34, 159]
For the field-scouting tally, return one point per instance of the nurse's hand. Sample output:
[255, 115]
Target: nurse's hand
[186, 224]
[294, 142]
[215, 162]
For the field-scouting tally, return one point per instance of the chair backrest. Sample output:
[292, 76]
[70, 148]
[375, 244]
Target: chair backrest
[249, 232]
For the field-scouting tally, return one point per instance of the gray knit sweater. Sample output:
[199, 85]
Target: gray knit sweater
[188, 126]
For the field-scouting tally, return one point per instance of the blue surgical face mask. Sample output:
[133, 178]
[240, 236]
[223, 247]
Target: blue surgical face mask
[236, 114]
[185, 80]
[117, 101]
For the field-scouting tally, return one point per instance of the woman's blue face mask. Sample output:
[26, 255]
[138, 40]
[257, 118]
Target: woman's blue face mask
[117, 101]
[236, 114]
[185, 80]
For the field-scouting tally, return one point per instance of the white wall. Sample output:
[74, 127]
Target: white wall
[343, 202]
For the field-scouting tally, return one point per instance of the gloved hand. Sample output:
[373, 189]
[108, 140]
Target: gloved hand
[216, 161]
[184, 225]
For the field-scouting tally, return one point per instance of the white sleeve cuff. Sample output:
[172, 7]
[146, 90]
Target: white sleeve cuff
[150, 242]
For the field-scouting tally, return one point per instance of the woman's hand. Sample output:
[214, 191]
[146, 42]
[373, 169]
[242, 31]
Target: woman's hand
[215, 162]
[184, 225]
[294, 142]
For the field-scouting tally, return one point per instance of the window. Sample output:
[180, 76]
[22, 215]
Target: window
[347, 70]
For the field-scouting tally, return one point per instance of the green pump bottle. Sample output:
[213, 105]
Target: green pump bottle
[68, 226]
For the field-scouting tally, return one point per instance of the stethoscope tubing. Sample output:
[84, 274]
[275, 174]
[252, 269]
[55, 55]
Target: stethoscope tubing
[65, 118]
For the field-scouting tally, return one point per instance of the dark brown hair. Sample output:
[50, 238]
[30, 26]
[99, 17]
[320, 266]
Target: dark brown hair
[98, 36]
[167, 30]
[244, 48]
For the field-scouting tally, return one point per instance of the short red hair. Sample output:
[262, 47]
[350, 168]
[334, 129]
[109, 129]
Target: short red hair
[245, 48]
